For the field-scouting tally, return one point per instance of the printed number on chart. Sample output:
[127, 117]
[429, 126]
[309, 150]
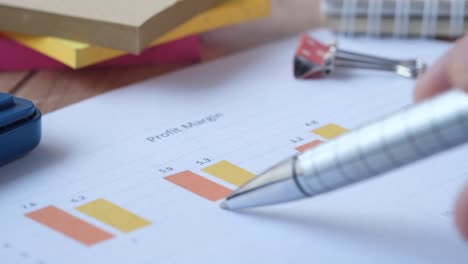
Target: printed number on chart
[203, 161]
[296, 140]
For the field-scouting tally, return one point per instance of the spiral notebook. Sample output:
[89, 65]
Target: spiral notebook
[399, 18]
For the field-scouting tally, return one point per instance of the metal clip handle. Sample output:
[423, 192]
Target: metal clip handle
[315, 59]
[406, 68]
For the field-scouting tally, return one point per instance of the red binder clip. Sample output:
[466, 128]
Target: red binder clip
[314, 59]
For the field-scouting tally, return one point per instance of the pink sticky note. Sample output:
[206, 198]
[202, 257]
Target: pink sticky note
[16, 57]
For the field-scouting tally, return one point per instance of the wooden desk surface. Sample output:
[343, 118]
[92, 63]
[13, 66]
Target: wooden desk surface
[52, 90]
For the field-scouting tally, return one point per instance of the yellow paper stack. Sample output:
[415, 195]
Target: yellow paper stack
[77, 54]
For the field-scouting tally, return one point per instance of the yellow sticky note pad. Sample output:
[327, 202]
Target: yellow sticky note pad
[228, 172]
[78, 54]
[113, 215]
[329, 131]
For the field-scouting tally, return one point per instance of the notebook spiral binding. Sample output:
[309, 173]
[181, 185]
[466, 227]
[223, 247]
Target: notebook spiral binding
[399, 18]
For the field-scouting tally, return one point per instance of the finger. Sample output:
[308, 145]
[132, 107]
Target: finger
[461, 213]
[449, 71]
[435, 80]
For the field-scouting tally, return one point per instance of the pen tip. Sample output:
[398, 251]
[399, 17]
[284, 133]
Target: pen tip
[224, 205]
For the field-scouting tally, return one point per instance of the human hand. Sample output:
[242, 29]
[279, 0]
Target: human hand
[450, 71]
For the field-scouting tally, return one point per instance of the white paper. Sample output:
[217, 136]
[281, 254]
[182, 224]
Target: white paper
[99, 148]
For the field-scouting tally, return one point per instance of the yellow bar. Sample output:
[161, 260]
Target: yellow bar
[329, 131]
[113, 215]
[226, 171]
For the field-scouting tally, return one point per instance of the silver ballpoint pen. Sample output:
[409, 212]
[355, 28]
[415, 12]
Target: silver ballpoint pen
[411, 134]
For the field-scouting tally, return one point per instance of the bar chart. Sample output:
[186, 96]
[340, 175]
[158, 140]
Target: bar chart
[84, 232]
[233, 175]
[208, 189]
[212, 182]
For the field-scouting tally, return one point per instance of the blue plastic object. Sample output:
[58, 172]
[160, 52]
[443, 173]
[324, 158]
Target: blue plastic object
[20, 127]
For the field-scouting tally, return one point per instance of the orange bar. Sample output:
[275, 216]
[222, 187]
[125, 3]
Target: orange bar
[199, 185]
[69, 225]
[309, 145]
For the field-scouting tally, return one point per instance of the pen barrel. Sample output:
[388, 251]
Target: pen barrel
[412, 134]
